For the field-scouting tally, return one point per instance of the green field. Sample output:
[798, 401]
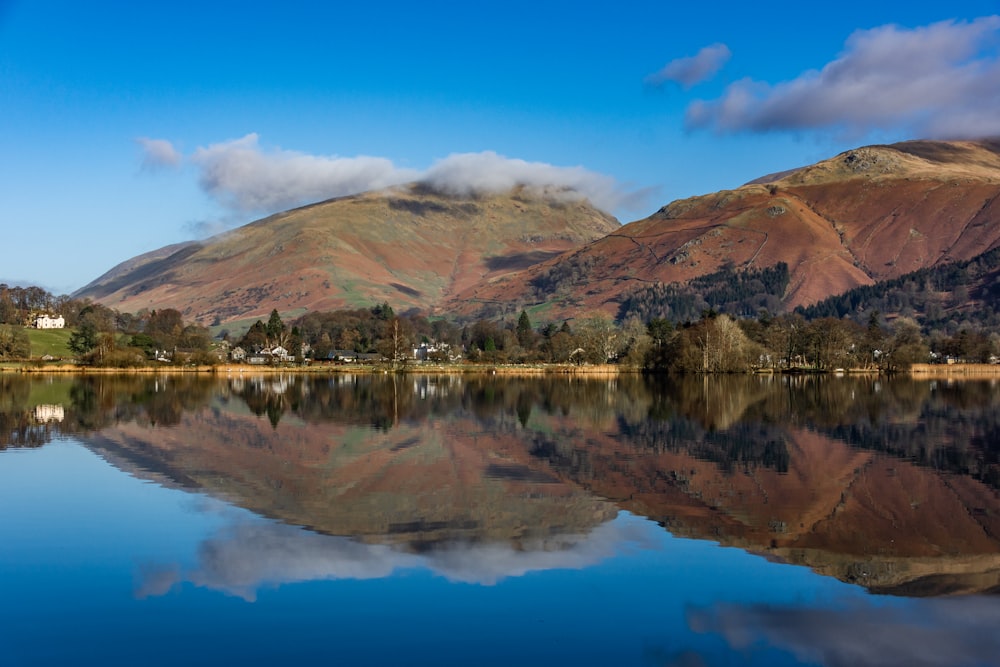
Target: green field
[49, 341]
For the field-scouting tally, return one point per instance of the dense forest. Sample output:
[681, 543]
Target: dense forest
[736, 293]
[942, 299]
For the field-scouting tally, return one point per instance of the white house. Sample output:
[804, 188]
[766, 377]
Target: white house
[49, 413]
[46, 321]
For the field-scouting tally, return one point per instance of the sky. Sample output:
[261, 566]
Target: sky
[129, 126]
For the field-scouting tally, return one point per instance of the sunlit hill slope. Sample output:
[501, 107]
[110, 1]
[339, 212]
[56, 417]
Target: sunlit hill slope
[865, 215]
[412, 247]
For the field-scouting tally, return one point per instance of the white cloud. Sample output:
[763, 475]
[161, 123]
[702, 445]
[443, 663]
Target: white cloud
[940, 80]
[693, 69]
[488, 172]
[244, 178]
[158, 153]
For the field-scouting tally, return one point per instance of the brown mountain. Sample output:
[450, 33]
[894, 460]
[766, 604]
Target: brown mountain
[865, 215]
[409, 246]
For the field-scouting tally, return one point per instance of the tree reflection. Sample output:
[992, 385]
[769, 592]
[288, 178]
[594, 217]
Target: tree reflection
[842, 474]
[734, 421]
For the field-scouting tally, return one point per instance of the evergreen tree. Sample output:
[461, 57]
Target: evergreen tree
[525, 336]
[84, 339]
[383, 312]
[275, 327]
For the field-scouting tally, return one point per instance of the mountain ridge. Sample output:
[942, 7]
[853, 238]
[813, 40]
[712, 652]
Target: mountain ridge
[410, 246]
[867, 214]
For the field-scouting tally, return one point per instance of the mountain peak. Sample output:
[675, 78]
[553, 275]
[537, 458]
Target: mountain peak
[410, 245]
[867, 214]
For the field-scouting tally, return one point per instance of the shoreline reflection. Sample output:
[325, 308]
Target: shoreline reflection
[890, 484]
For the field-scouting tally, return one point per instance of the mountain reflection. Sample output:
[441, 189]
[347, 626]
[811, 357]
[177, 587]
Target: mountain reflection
[891, 484]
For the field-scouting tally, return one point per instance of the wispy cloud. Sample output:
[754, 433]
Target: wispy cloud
[694, 69]
[940, 80]
[158, 153]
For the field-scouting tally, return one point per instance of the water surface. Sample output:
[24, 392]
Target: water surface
[460, 520]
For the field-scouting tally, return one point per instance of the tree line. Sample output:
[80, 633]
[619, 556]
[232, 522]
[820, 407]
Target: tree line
[656, 328]
[105, 337]
[596, 338]
[102, 336]
[715, 343]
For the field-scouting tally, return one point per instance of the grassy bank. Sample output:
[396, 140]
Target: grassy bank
[954, 371]
[52, 342]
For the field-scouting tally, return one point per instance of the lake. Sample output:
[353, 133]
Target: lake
[484, 520]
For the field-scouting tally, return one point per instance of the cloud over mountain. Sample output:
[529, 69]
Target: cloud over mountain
[939, 80]
[246, 178]
[487, 172]
[243, 177]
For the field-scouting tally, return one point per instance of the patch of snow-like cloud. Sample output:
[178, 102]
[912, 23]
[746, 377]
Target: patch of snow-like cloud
[692, 70]
[487, 172]
[245, 178]
[158, 154]
[242, 558]
[936, 81]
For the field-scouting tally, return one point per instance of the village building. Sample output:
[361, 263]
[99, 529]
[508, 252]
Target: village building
[48, 413]
[46, 321]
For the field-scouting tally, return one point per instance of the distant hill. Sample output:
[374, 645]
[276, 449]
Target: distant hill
[869, 214]
[412, 247]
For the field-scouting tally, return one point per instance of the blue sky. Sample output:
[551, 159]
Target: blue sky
[125, 127]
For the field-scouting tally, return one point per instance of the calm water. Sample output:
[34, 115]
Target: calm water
[484, 521]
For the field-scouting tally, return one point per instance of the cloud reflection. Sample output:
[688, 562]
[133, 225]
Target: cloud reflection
[240, 559]
[923, 633]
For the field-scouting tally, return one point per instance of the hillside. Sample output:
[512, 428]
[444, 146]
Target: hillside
[412, 247]
[964, 292]
[866, 215]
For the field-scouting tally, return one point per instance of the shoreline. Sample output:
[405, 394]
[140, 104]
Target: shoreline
[954, 371]
[607, 370]
[917, 371]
